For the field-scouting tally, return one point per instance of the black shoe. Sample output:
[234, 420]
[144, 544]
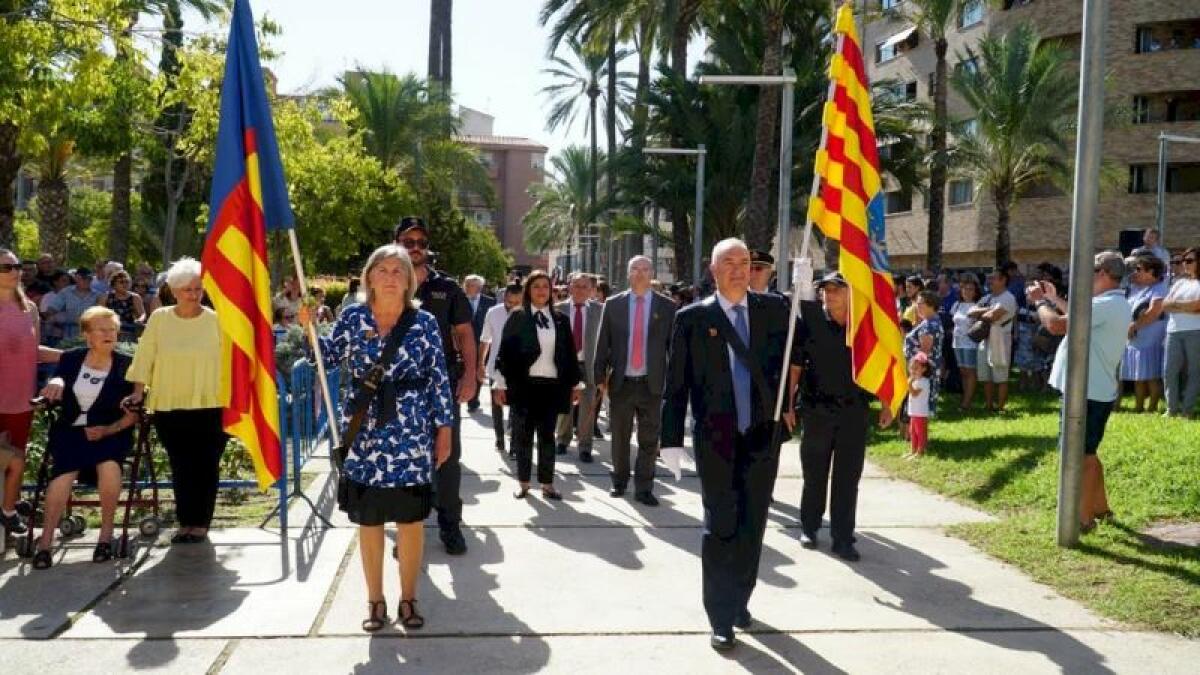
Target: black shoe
[454, 541]
[722, 642]
[616, 492]
[472, 407]
[846, 552]
[500, 448]
[585, 456]
[596, 433]
[560, 449]
[14, 524]
[743, 620]
[646, 498]
[512, 454]
[808, 539]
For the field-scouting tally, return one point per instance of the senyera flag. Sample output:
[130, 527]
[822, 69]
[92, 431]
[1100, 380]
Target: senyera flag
[249, 197]
[849, 208]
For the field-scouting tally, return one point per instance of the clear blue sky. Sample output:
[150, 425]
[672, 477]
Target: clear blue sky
[498, 52]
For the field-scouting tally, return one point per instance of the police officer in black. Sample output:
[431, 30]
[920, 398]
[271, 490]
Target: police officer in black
[834, 411]
[445, 300]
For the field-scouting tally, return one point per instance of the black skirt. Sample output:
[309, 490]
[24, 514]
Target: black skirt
[71, 451]
[370, 506]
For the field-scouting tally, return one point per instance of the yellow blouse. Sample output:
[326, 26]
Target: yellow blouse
[179, 361]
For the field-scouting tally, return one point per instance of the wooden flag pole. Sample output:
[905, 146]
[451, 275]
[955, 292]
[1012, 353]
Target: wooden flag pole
[334, 433]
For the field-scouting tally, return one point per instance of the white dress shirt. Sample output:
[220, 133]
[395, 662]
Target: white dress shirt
[727, 307]
[544, 365]
[493, 331]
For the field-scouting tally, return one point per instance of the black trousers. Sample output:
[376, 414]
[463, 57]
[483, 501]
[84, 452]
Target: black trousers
[448, 476]
[538, 415]
[498, 425]
[834, 437]
[195, 442]
[736, 496]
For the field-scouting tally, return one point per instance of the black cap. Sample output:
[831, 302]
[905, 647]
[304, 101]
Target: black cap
[832, 278]
[83, 272]
[758, 257]
[409, 223]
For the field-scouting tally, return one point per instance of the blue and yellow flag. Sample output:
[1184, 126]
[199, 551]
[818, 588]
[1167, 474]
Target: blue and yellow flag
[248, 198]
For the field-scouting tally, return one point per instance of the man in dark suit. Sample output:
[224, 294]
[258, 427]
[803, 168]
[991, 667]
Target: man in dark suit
[727, 355]
[583, 315]
[480, 304]
[630, 365]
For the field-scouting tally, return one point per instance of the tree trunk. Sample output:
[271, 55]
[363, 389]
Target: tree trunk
[168, 240]
[1003, 242]
[10, 166]
[766, 155]
[122, 212]
[681, 240]
[440, 13]
[435, 42]
[937, 170]
[610, 124]
[53, 205]
[593, 94]
[447, 69]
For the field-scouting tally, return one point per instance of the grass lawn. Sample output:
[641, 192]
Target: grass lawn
[1008, 466]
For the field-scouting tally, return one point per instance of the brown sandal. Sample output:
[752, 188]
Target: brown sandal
[412, 619]
[375, 620]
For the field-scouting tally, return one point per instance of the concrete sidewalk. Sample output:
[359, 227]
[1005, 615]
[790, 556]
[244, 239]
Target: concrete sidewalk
[589, 584]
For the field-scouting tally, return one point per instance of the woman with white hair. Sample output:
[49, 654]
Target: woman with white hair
[403, 428]
[178, 359]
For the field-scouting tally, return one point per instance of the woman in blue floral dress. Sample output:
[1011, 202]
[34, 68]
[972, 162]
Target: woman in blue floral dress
[926, 337]
[406, 428]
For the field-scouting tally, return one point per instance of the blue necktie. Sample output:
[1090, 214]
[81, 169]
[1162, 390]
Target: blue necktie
[741, 374]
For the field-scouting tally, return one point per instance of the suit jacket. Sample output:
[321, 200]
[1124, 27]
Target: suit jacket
[519, 349]
[592, 314]
[107, 408]
[698, 371]
[486, 302]
[612, 346]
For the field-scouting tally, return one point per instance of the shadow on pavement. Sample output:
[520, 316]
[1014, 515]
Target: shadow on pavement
[786, 653]
[909, 575]
[50, 597]
[575, 537]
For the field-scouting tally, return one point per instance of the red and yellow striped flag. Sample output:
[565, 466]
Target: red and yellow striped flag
[849, 207]
[249, 197]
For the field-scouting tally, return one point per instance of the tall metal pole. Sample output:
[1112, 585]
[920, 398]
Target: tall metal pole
[783, 255]
[1088, 148]
[654, 242]
[1160, 199]
[698, 243]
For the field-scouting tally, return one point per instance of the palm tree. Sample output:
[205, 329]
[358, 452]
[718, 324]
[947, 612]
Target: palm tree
[562, 206]
[1023, 97]
[758, 209]
[933, 19]
[54, 194]
[441, 16]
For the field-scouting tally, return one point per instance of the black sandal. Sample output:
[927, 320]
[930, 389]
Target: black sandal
[412, 620]
[41, 560]
[376, 619]
[551, 493]
[102, 552]
[521, 494]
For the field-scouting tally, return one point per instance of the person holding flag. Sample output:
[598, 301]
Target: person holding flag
[850, 346]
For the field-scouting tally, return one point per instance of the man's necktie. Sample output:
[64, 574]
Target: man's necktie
[542, 321]
[577, 327]
[741, 374]
[637, 359]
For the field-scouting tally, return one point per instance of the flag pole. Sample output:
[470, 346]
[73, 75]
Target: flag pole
[334, 433]
[798, 268]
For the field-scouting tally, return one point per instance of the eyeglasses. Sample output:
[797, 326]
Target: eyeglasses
[9, 267]
[422, 244]
[1189, 261]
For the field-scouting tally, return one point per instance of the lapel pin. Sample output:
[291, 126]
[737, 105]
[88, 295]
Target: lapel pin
[712, 332]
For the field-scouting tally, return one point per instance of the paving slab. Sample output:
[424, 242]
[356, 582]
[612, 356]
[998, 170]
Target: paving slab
[104, 657]
[647, 580]
[36, 603]
[230, 587]
[1000, 652]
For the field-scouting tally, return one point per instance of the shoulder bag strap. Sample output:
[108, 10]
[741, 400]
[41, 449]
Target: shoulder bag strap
[742, 352]
[360, 402]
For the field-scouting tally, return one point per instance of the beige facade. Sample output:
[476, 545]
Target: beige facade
[514, 164]
[1152, 55]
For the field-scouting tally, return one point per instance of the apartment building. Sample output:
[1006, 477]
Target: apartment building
[1152, 56]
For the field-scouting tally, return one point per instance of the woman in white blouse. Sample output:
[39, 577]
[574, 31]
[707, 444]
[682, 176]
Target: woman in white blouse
[92, 433]
[966, 350]
[538, 375]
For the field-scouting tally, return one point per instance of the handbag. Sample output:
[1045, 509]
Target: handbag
[360, 401]
[980, 330]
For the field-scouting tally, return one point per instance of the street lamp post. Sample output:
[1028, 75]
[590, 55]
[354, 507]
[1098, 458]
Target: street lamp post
[699, 153]
[1160, 201]
[788, 81]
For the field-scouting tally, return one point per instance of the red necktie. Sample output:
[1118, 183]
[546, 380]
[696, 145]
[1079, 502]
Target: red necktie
[577, 328]
[638, 360]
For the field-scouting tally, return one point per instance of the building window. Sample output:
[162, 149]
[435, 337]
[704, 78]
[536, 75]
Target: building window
[1184, 178]
[962, 192]
[488, 159]
[970, 65]
[895, 45]
[903, 91]
[932, 83]
[1145, 41]
[899, 201]
[889, 4]
[537, 161]
[1141, 110]
[482, 217]
[1139, 182]
[966, 127]
[972, 13]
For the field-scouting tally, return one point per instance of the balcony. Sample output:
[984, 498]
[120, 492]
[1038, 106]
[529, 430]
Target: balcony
[1167, 36]
[1166, 107]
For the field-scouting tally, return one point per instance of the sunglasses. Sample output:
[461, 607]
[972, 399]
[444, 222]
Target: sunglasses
[9, 267]
[1189, 261]
[422, 244]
